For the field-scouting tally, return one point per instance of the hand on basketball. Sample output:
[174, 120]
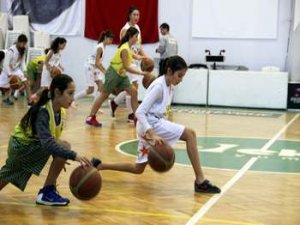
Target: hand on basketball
[141, 57]
[145, 73]
[84, 162]
[152, 138]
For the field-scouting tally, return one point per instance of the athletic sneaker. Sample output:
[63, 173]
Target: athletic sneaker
[92, 121]
[206, 187]
[113, 107]
[95, 162]
[130, 118]
[7, 101]
[49, 196]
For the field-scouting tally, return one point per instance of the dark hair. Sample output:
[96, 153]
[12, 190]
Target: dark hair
[2, 55]
[46, 51]
[130, 10]
[129, 33]
[165, 26]
[105, 34]
[174, 63]
[56, 42]
[22, 38]
[61, 83]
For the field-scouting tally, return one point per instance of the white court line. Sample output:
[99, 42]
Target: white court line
[204, 209]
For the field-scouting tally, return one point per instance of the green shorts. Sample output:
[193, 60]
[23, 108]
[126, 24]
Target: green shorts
[113, 81]
[23, 160]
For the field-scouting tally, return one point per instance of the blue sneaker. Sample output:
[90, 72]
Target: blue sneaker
[48, 195]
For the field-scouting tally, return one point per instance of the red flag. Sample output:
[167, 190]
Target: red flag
[112, 15]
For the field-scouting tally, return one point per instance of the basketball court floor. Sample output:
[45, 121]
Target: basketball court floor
[253, 155]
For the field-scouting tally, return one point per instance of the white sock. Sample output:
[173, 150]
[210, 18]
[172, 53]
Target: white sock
[120, 98]
[128, 104]
[80, 94]
[16, 94]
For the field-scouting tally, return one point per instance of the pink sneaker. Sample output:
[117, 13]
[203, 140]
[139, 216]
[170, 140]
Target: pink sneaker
[92, 121]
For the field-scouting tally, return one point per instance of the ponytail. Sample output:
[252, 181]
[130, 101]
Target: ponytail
[29, 118]
[105, 34]
[129, 33]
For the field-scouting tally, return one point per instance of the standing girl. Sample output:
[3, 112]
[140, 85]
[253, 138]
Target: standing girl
[133, 18]
[94, 68]
[52, 61]
[153, 128]
[36, 138]
[116, 77]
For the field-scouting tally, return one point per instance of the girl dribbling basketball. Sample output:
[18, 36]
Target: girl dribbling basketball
[36, 138]
[153, 128]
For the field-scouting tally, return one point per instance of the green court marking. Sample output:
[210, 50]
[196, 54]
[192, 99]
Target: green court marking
[232, 153]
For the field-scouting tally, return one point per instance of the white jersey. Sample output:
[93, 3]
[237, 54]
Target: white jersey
[154, 106]
[55, 59]
[92, 58]
[46, 77]
[12, 64]
[136, 48]
[150, 115]
[12, 60]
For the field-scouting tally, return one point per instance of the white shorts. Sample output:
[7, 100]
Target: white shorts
[46, 78]
[4, 79]
[92, 75]
[169, 131]
[132, 76]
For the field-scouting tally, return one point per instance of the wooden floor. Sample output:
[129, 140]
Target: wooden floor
[248, 198]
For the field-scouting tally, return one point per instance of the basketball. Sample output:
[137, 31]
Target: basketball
[161, 157]
[85, 183]
[55, 71]
[147, 80]
[15, 82]
[147, 64]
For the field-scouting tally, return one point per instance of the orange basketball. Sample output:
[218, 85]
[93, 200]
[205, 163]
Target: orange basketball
[85, 183]
[147, 64]
[161, 157]
[15, 82]
[147, 80]
[55, 71]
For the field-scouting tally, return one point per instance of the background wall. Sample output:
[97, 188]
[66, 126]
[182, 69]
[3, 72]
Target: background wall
[296, 13]
[253, 53]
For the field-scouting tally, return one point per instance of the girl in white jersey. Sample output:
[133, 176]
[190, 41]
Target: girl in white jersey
[132, 21]
[14, 64]
[52, 60]
[94, 68]
[153, 128]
